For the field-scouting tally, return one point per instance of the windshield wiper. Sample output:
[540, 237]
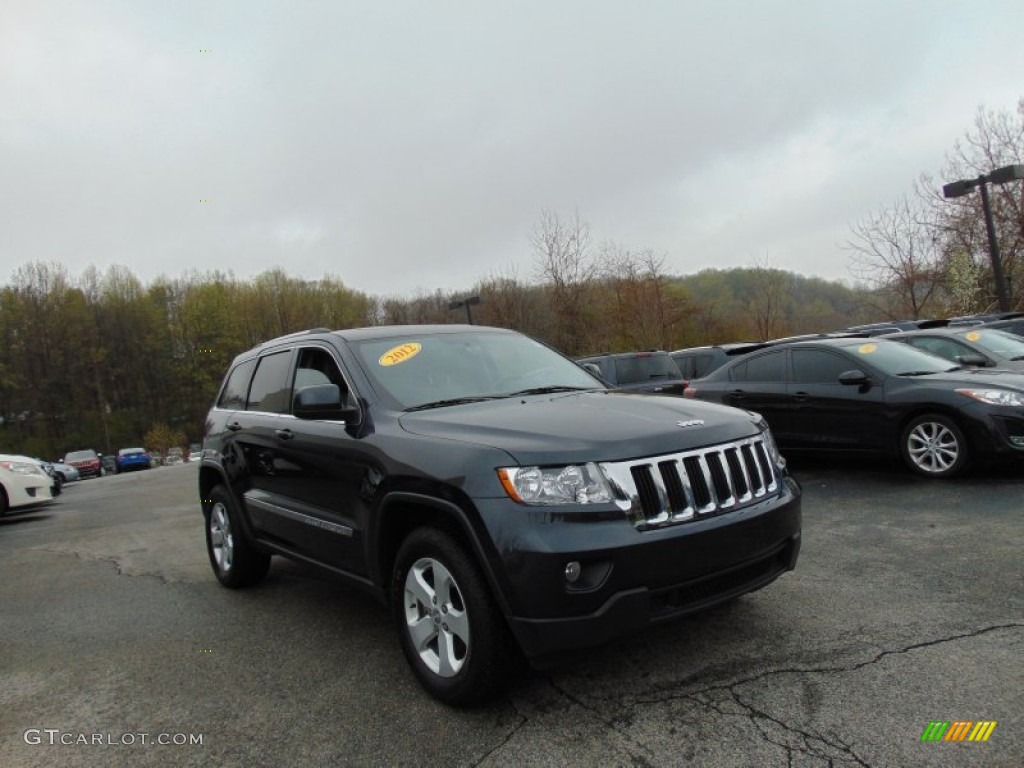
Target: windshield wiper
[924, 373]
[547, 390]
[452, 401]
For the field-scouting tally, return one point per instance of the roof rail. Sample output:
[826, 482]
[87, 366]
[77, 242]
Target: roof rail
[293, 336]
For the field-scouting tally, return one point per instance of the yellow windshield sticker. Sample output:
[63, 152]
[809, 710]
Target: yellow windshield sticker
[973, 336]
[401, 353]
[867, 349]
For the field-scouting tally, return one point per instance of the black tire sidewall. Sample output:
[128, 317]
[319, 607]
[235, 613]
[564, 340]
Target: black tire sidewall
[249, 565]
[480, 677]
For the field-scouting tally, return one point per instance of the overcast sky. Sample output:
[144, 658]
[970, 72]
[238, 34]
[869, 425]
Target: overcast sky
[409, 146]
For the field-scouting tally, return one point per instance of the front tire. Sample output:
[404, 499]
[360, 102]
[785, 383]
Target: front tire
[934, 446]
[451, 631]
[235, 561]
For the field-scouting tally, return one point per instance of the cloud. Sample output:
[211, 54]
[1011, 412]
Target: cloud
[412, 145]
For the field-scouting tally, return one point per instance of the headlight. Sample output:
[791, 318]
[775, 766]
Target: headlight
[570, 484]
[994, 396]
[769, 444]
[21, 467]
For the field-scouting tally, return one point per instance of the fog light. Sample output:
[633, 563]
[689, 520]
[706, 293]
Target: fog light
[572, 571]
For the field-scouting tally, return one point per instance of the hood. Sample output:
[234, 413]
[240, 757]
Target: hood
[585, 426]
[980, 377]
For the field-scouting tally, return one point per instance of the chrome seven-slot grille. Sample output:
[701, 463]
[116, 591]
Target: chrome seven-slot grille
[675, 488]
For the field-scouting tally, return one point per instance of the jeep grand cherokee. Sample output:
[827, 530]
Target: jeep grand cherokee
[489, 490]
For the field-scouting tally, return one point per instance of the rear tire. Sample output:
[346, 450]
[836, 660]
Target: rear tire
[450, 628]
[235, 561]
[933, 446]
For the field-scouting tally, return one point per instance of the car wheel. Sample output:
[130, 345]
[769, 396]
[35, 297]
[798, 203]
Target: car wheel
[934, 446]
[236, 562]
[4, 504]
[451, 631]
[58, 485]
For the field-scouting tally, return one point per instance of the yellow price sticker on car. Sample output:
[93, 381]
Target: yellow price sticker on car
[973, 336]
[867, 349]
[401, 353]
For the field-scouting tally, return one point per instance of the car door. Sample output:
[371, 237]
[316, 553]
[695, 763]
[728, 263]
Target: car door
[758, 383]
[327, 473]
[827, 415]
[252, 437]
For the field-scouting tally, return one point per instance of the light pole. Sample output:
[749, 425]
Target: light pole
[964, 187]
[467, 303]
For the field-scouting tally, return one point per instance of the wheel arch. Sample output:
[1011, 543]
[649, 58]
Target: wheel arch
[402, 512]
[939, 410]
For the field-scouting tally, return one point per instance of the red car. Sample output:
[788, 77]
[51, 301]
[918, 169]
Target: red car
[86, 462]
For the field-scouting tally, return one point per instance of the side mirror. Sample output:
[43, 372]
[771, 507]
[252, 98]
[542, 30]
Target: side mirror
[593, 369]
[854, 378]
[977, 361]
[323, 401]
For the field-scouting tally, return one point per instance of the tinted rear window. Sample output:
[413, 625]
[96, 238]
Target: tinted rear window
[629, 370]
[237, 386]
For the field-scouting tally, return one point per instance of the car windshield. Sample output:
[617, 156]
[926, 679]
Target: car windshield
[645, 366]
[897, 359]
[1005, 345]
[80, 455]
[420, 370]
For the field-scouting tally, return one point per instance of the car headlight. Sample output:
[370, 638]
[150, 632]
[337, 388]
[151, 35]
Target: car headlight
[769, 444]
[994, 396]
[568, 484]
[21, 467]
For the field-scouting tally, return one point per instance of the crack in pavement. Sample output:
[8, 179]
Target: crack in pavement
[114, 560]
[828, 748]
[638, 760]
[671, 688]
[610, 724]
[521, 721]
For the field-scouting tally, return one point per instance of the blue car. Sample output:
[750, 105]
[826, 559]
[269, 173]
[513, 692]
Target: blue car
[133, 458]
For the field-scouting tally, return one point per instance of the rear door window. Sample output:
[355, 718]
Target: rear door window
[232, 397]
[270, 391]
[767, 367]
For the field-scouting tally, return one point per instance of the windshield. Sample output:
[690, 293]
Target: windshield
[418, 370]
[897, 359]
[80, 455]
[645, 366]
[1007, 346]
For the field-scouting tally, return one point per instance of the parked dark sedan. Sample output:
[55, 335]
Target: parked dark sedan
[978, 345]
[873, 395]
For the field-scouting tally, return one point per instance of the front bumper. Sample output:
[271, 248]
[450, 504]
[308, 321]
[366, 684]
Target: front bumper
[631, 579]
[25, 492]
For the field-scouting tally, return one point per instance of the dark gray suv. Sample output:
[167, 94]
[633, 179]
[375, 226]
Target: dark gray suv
[494, 494]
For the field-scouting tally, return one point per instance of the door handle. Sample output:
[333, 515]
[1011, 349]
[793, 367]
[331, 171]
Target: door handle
[234, 426]
[801, 397]
[736, 394]
[284, 434]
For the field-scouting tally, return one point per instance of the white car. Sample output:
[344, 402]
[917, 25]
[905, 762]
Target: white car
[23, 483]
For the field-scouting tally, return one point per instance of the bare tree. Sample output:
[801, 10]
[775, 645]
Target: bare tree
[768, 293]
[894, 251]
[564, 263]
[643, 308]
[995, 140]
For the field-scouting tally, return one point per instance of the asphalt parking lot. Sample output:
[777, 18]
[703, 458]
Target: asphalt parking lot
[905, 608]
